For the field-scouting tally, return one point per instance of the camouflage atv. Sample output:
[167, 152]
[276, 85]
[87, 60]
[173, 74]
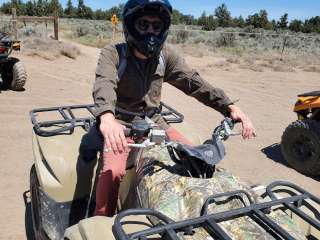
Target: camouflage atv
[12, 72]
[170, 191]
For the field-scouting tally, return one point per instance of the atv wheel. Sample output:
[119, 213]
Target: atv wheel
[300, 146]
[19, 76]
[35, 206]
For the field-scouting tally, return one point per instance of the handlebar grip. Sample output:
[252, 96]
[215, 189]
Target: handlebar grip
[232, 122]
[127, 132]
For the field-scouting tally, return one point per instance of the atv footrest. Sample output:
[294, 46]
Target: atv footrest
[170, 229]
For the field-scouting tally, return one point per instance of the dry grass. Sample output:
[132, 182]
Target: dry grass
[233, 60]
[312, 68]
[70, 51]
[255, 53]
[49, 49]
[252, 67]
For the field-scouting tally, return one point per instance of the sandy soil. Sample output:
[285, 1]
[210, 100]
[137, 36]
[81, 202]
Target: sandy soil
[267, 97]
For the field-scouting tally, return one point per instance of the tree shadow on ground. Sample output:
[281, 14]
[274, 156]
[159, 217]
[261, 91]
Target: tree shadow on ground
[28, 216]
[274, 153]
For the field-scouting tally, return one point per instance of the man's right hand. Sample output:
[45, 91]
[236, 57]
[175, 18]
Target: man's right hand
[113, 134]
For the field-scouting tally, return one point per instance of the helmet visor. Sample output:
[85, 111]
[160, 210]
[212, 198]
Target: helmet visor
[147, 24]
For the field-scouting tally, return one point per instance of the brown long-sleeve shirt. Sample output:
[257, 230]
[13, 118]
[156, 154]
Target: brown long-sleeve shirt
[139, 87]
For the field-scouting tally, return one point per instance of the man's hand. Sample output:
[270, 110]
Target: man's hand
[236, 114]
[113, 134]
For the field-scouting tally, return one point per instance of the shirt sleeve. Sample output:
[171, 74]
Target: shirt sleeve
[105, 85]
[179, 75]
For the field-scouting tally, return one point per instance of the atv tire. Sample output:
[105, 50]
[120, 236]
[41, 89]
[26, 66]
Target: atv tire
[35, 206]
[19, 76]
[300, 146]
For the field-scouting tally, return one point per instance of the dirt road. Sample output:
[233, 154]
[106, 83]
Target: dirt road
[267, 97]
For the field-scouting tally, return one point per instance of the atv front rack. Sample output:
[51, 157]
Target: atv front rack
[169, 229]
[68, 119]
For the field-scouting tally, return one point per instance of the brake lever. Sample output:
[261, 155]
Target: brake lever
[144, 144]
[225, 129]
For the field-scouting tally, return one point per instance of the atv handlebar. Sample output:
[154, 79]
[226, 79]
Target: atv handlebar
[146, 135]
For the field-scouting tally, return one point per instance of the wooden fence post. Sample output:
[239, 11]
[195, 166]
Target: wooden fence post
[56, 25]
[285, 39]
[14, 23]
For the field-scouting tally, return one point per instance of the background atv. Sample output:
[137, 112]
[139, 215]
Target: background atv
[12, 72]
[188, 195]
[300, 142]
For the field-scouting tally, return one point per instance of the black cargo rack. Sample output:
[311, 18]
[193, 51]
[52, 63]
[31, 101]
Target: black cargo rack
[7, 44]
[68, 121]
[168, 229]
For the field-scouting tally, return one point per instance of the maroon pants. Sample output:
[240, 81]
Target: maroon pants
[112, 171]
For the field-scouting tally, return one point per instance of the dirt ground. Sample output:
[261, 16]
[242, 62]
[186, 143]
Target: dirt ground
[267, 97]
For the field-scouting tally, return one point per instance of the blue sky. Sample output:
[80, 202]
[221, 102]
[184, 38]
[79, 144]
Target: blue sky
[276, 8]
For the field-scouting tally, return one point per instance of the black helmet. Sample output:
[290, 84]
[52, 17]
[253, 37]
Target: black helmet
[149, 44]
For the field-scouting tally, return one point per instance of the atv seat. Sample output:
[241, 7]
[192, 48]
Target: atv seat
[310, 94]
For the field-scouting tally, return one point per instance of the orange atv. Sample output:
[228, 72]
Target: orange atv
[12, 72]
[300, 142]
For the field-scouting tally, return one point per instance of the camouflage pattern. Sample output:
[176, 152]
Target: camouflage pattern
[163, 187]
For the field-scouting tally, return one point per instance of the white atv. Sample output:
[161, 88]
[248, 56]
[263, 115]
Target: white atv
[170, 191]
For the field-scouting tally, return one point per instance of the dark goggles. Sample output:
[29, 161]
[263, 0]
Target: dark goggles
[143, 25]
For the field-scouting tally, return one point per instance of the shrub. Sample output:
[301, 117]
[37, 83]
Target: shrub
[50, 49]
[70, 51]
[226, 40]
[182, 36]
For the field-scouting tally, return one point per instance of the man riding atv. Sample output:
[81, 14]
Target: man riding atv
[129, 76]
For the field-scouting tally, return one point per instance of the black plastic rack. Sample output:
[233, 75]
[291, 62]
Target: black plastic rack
[68, 120]
[169, 229]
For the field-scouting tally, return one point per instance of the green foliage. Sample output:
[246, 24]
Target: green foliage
[239, 22]
[296, 26]
[30, 8]
[312, 25]
[258, 20]
[70, 10]
[283, 22]
[54, 6]
[223, 15]
[208, 23]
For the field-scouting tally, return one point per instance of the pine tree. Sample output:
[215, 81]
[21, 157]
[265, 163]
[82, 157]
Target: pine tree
[69, 11]
[223, 15]
[283, 23]
[296, 25]
[81, 9]
[54, 6]
[30, 8]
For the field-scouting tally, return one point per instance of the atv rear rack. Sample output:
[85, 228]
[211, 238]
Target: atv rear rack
[168, 229]
[68, 120]
[7, 46]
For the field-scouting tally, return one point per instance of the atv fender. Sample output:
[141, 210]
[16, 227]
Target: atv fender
[61, 168]
[100, 228]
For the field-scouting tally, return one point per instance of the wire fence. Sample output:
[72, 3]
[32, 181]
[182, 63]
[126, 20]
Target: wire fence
[256, 39]
[262, 40]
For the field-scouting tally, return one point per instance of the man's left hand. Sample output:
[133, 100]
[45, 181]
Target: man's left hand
[236, 114]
